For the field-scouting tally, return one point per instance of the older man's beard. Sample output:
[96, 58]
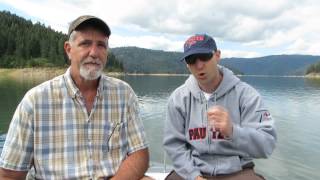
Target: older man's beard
[91, 69]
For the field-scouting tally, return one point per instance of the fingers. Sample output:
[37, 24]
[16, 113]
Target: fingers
[217, 110]
[218, 118]
[224, 127]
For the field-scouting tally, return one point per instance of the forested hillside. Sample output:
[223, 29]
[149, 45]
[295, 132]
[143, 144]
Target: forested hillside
[314, 68]
[147, 61]
[275, 65]
[140, 60]
[24, 44]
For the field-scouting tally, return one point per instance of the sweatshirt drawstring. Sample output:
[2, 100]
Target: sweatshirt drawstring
[204, 104]
[215, 103]
[215, 98]
[204, 109]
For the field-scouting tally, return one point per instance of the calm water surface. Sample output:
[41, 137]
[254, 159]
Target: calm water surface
[293, 102]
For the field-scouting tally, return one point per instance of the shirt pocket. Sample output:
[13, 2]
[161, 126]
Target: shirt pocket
[116, 138]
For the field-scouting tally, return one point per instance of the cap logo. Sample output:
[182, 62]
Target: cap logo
[198, 44]
[192, 40]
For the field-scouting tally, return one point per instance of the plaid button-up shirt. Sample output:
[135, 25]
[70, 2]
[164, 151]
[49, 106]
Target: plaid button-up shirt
[52, 130]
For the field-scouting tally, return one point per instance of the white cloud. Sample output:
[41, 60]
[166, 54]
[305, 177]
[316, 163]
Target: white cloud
[151, 42]
[291, 25]
[232, 53]
[295, 30]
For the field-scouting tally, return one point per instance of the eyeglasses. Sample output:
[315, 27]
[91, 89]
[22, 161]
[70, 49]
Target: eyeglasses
[193, 58]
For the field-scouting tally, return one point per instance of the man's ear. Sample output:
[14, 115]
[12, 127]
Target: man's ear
[67, 47]
[218, 55]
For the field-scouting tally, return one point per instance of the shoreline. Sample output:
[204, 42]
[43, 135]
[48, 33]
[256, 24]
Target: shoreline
[54, 71]
[313, 76]
[35, 73]
[48, 72]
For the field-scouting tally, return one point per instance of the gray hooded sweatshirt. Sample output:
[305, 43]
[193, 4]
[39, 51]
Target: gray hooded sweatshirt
[196, 149]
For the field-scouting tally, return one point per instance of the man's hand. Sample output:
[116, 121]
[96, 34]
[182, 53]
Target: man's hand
[219, 118]
[200, 178]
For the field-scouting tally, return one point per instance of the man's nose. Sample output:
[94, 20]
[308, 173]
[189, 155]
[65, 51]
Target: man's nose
[93, 51]
[199, 63]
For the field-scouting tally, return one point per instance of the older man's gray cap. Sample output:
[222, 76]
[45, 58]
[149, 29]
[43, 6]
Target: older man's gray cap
[89, 21]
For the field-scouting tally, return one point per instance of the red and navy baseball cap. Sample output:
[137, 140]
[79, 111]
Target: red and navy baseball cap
[199, 44]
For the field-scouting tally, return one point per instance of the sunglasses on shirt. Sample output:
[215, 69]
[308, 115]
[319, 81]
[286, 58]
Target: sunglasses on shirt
[202, 56]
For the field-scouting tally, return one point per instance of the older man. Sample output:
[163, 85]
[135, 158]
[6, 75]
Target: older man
[80, 125]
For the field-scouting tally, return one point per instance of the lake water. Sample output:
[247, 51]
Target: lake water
[293, 102]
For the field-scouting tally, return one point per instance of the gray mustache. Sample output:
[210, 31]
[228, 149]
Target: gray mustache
[95, 61]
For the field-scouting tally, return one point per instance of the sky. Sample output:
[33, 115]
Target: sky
[241, 28]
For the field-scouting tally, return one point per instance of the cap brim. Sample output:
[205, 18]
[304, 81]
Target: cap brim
[96, 22]
[195, 51]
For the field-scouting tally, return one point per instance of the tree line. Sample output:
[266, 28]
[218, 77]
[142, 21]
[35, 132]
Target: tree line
[24, 44]
[314, 68]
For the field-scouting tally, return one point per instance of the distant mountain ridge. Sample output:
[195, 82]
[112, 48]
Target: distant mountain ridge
[140, 60]
[277, 65]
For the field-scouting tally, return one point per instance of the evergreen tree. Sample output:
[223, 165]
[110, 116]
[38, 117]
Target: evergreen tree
[26, 44]
[314, 68]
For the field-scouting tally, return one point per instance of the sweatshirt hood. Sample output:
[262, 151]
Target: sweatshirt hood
[229, 80]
